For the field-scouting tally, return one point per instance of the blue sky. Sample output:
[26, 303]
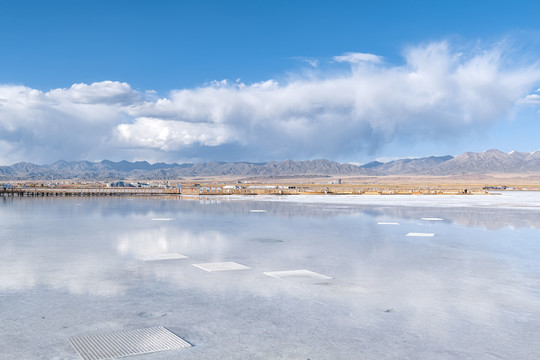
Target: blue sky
[183, 81]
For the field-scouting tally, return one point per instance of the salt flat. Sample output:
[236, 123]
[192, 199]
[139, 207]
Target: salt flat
[504, 199]
[470, 292]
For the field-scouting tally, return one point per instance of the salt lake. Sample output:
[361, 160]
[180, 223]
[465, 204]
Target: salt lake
[290, 277]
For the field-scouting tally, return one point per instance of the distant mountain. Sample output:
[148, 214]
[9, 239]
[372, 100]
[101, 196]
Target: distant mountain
[410, 166]
[109, 170]
[372, 164]
[491, 161]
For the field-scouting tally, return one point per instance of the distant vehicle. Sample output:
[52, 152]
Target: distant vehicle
[7, 186]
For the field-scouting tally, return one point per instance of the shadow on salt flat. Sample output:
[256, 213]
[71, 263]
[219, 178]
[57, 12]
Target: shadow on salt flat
[221, 266]
[267, 240]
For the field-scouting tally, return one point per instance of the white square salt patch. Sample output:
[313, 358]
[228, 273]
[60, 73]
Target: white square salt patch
[257, 211]
[163, 219]
[297, 274]
[156, 257]
[432, 219]
[420, 234]
[387, 223]
[127, 343]
[221, 266]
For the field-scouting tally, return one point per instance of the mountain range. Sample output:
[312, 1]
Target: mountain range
[487, 162]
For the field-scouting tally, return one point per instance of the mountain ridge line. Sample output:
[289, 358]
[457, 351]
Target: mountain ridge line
[486, 162]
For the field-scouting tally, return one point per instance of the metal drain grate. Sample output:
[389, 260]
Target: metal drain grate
[127, 343]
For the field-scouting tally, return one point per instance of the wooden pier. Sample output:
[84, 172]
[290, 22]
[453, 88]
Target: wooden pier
[224, 190]
[36, 191]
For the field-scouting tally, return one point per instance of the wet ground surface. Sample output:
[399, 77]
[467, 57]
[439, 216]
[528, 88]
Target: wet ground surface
[72, 267]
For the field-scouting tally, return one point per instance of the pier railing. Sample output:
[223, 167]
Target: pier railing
[220, 190]
[36, 191]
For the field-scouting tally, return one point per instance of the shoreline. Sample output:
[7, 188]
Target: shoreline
[221, 191]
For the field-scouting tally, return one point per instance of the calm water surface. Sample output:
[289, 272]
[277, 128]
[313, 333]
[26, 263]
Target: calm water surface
[78, 266]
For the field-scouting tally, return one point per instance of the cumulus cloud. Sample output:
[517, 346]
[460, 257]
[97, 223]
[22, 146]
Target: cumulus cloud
[436, 93]
[170, 135]
[532, 99]
[73, 123]
[105, 92]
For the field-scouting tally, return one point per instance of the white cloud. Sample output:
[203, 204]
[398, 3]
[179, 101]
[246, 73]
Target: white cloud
[170, 135]
[532, 99]
[310, 61]
[355, 58]
[60, 124]
[107, 92]
[437, 93]
[313, 62]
